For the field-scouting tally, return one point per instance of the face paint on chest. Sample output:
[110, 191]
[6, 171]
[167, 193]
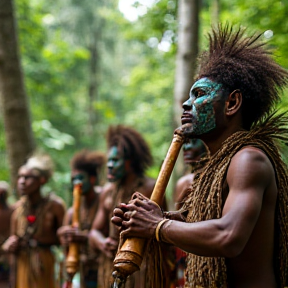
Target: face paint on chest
[202, 95]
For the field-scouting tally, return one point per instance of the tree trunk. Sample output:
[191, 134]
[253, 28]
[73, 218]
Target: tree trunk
[188, 34]
[16, 116]
[215, 7]
[187, 51]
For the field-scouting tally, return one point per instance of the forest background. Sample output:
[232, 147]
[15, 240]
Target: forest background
[87, 65]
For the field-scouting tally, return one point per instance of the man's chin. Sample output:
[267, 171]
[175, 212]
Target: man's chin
[111, 179]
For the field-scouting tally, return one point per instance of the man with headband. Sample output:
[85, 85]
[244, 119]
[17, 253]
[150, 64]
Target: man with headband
[235, 230]
[34, 226]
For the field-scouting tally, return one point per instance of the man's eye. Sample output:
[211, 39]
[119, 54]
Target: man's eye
[199, 93]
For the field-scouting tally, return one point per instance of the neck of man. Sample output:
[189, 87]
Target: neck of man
[215, 139]
[89, 197]
[35, 198]
[128, 179]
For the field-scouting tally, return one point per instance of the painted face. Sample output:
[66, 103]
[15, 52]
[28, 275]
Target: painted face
[193, 150]
[28, 181]
[115, 165]
[198, 109]
[84, 178]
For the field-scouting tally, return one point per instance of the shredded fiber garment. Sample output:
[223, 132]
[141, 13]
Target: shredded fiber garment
[207, 197]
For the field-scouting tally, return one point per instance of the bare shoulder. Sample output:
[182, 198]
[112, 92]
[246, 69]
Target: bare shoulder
[185, 180]
[57, 203]
[54, 197]
[106, 196]
[107, 189]
[251, 164]
[148, 186]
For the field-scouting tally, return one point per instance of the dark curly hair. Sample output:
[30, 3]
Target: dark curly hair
[245, 63]
[133, 145]
[92, 162]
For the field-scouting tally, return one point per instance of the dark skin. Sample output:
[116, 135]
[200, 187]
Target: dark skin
[244, 235]
[5, 216]
[191, 155]
[98, 237]
[29, 183]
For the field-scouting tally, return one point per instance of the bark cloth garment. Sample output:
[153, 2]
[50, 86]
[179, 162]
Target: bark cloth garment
[207, 197]
[35, 262]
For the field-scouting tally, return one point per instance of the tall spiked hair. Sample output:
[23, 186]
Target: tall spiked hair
[132, 145]
[245, 63]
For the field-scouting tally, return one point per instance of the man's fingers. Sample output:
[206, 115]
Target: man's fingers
[118, 212]
[116, 220]
[129, 214]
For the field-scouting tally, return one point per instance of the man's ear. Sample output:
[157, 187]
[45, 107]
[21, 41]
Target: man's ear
[43, 180]
[233, 102]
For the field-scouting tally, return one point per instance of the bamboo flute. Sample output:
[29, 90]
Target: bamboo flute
[129, 257]
[72, 259]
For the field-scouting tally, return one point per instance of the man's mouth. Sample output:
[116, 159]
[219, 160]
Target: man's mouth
[186, 118]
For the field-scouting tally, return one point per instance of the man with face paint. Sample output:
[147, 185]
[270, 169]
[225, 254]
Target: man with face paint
[5, 217]
[128, 159]
[34, 225]
[194, 155]
[235, 226]
[86, 166]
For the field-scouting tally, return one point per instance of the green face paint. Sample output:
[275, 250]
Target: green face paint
[84, 178]
[115, 165]
[202, 97]
[193, 150]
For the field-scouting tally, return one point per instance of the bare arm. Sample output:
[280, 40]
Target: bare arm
[12, 243]
[249, 175]
[96, 237]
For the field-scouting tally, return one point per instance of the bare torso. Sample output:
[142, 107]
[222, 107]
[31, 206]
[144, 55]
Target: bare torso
[254, 266]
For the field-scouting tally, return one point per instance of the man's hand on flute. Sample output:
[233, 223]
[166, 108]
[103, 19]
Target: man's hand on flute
[139, 218]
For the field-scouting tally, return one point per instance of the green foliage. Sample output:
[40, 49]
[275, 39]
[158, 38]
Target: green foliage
[134, 71]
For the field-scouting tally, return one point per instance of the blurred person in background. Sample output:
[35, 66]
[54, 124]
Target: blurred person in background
[5, 217]
[34, 226]
[194, 156]
[129, 157]
[86, 166]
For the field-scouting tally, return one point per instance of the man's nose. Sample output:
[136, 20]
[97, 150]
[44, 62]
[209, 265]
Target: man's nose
[187, 105]
[110, 164]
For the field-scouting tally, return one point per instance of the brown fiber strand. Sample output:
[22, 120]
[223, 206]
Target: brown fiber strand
[206, 200]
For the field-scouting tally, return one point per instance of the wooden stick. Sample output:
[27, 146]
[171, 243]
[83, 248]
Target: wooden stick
[129, 257]
[72, 260]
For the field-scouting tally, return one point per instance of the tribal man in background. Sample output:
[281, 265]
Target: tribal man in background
[86, 166]
[128, 159]
[34, 226]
